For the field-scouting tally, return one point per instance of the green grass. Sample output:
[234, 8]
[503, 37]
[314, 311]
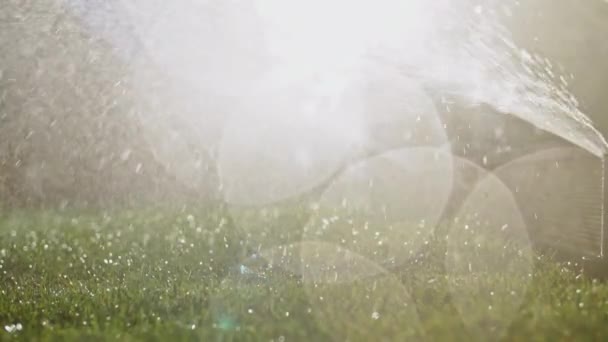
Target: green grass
[181, 275]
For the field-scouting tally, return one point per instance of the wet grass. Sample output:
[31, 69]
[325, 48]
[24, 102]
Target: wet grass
[155, 276]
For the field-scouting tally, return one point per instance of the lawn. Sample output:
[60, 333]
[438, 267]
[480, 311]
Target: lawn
[159, 275]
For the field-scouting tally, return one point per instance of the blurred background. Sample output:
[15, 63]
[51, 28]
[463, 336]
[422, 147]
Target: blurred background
[72, 74]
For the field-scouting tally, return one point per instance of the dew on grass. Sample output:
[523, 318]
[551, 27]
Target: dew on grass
[343, 286]
[243, 295]
[12, 328]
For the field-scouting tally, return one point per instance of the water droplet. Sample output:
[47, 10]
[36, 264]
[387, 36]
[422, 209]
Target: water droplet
[125, 155]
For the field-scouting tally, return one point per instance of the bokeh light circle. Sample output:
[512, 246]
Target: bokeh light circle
[386, 207]
[560, 192]
[344, 287]
[489, 258]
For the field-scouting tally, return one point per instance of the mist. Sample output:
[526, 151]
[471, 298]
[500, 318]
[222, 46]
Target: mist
[332, 170]
[110, 101]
